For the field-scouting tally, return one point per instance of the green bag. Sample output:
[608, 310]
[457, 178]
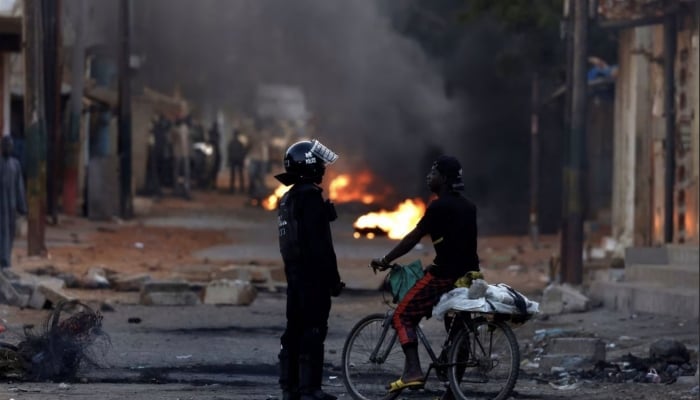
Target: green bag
[401, 280]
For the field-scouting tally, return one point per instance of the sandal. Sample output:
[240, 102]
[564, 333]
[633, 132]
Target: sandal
[401, 385]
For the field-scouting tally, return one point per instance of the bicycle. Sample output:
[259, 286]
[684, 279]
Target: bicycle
[479, 358]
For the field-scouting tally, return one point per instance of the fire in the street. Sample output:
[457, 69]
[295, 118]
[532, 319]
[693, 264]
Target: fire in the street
[346, 188]
[270, 203]
[395, 223]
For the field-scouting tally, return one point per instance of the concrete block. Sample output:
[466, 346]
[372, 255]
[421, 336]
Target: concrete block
[131, 283]
[51, 294]
[169, 299]
[669, 275]
[226, 291]
[37, 296]
[562, 299]
[650, 298]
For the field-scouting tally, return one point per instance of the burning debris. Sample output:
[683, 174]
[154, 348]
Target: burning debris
[395, 224]
[59, 348]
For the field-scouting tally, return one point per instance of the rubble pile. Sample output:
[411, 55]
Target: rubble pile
[565, 359]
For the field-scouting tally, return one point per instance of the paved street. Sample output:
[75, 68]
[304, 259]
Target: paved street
[230, 352]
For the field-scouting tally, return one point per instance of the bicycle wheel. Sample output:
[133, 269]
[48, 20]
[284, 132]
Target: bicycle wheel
[372, 357]
[484, 364]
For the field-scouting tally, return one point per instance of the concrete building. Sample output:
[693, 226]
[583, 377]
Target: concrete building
[639, 167]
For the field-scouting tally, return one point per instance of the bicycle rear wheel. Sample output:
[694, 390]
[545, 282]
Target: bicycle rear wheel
[372, 357]
[484, 364]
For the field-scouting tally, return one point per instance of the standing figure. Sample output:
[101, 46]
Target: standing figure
[214, 138]
[12, 200]
[450, 221]
[311, 269]
[180, 139]
[258, 165]
[237, 151]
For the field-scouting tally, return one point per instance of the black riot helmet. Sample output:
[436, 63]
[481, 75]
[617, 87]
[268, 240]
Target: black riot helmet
[306, 161]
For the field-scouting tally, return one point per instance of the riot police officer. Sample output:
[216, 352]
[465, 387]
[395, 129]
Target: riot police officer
[311, 269]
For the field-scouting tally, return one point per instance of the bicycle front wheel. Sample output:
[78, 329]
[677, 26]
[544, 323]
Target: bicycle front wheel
[484, 363]
[372, 357]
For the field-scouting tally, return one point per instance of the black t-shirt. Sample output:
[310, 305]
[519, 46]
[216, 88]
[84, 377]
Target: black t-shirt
[450, 220]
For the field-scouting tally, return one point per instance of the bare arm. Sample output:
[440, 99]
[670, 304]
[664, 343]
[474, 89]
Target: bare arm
[405, 245]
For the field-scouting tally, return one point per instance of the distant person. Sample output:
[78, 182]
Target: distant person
[156, 155]
[310, 267]
[12, 200]
[180, 139]
[214, 137]
[237, 151]
[258, 166]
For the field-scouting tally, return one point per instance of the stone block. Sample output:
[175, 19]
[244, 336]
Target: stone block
[169, 299]
[131, 283]
[51, 294]
[563, 299]
[224, 291]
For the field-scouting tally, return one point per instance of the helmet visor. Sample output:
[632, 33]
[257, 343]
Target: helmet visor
[324, 153]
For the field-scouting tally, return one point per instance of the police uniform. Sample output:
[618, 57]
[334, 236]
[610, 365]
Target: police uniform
[312, 275]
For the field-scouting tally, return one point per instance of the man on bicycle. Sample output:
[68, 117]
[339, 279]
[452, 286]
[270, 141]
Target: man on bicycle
[450, 220]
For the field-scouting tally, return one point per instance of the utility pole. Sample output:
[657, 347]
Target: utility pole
[72, 136]
[52, 80]
[574, 173]
[670, 123]
[534, 162]
[124, 143]
[35, 128]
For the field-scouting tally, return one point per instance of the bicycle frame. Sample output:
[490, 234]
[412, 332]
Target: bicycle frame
[376, 357]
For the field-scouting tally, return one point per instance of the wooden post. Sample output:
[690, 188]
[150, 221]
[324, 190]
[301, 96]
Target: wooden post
[72, 136]
[124, 142]
[35, 128]
[574, 172]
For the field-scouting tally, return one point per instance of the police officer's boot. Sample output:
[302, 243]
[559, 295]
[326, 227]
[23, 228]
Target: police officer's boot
[289, 375]
[310, 377]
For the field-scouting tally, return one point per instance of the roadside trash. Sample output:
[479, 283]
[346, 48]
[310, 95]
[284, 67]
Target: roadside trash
[567, 383]
[63, 386]
[139, 245]
[653, 376]
[134, 320]
[184, 357]
[541, 334]
[58, 349]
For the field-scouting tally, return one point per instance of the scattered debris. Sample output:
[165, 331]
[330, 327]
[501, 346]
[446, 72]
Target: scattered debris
[59, 349]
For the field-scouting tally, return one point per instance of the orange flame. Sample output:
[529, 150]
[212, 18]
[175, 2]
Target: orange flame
[270, 203]
[395, 223]
[345, 188]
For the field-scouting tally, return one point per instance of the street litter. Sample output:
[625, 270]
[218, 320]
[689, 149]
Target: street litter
[64, 344]
[184, 357]
[567, 383]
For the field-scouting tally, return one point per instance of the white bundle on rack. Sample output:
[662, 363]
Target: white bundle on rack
[499, 298]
